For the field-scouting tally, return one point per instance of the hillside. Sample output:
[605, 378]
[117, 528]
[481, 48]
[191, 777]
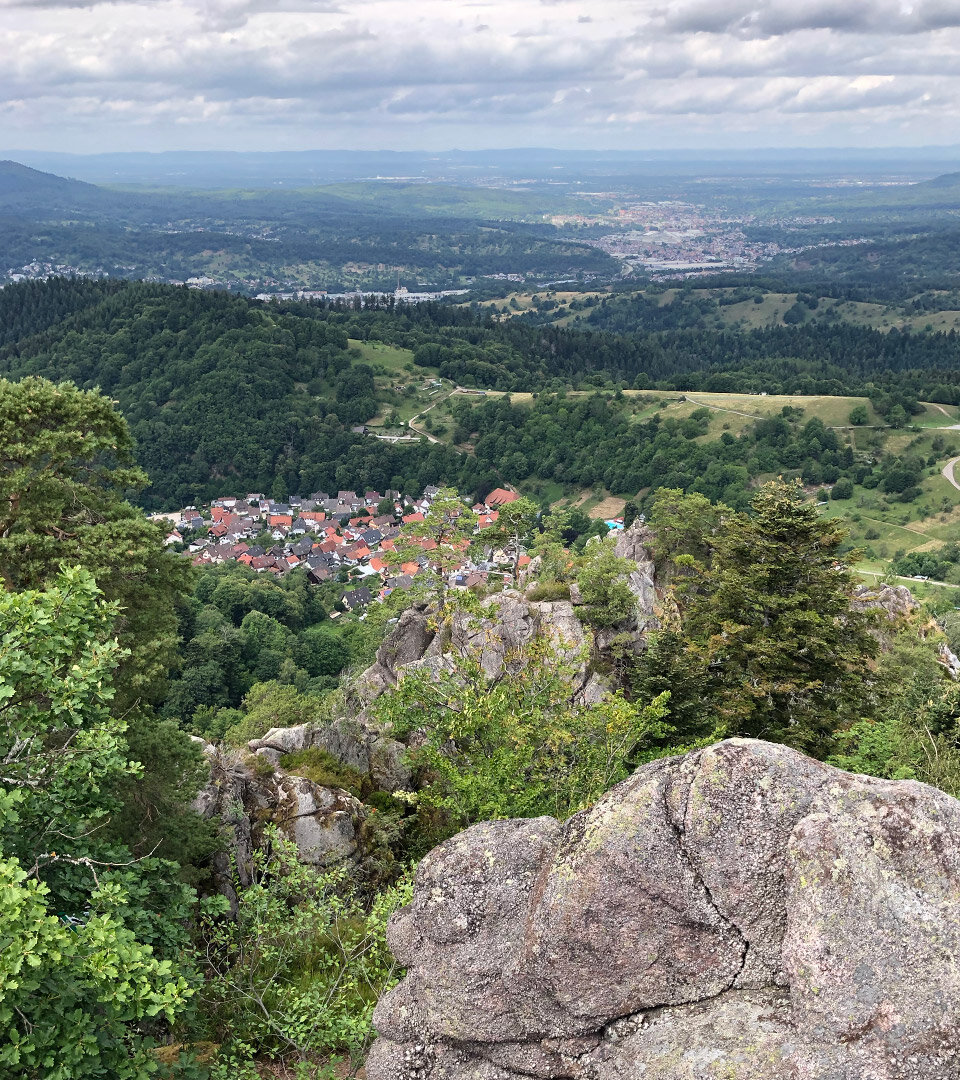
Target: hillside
[226, 396]
[335, 238]
[22, 186]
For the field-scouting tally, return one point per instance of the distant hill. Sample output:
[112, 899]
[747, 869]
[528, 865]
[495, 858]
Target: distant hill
[25, 189]
[947, 180]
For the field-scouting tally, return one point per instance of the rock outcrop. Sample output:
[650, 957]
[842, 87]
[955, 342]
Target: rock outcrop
[895, 600]
[505, 623]
[326, 824]
[635, 543]
[741, 912]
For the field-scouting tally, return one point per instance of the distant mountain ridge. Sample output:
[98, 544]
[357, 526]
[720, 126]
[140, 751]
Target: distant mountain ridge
[946, 180]
[23, 188]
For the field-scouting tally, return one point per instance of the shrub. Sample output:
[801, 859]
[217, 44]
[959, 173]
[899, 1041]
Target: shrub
[296, 975]
[549, 590]
[324, 769]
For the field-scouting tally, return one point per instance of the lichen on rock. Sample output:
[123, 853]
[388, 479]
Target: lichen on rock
[739, 912]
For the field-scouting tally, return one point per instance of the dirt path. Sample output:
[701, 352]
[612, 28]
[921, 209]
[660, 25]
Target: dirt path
[720, 408]
[426, 434]
[900, 577]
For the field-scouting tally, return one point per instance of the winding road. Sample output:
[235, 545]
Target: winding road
[947, 471]
[426, 434]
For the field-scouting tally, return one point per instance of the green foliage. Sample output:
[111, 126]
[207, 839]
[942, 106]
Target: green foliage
[515, 746]
[83, 927]
[783, 655]
[324, 769]
[602, 580]
[859, 415]
[444, 535]
[240, 628]
[516, 524]
[266, 705]
[916, 732]
[155, 814]
[66, 463]
[296, 975]
[72, 995]
[60, 748]
[549, 590]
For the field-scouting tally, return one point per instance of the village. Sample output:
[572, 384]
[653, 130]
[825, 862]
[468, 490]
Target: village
[351, 538]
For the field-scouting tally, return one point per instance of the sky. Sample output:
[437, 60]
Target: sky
[113, 75]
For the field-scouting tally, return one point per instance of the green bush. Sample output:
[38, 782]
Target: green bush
[549, 590]
[296, 975]
[324, 769]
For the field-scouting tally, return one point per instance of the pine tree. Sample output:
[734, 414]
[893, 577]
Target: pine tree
[787, 658]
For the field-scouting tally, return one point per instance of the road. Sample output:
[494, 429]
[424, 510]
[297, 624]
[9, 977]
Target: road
[426, 434]
[948, 472]
[900, 577]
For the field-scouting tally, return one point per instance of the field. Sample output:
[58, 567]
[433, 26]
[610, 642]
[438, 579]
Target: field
[768, 310]
[882, 526]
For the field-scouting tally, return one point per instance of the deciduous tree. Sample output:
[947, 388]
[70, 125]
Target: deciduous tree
[66, 466]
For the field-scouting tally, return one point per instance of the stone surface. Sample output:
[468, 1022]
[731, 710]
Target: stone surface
[286, 740]
[634, 543]
[506, 623]
[949, 659]
[326, 824]
[323, 822]
[895, 600]
[739, 913]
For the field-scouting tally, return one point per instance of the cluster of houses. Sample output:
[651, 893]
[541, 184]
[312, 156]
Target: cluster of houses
[326, 535]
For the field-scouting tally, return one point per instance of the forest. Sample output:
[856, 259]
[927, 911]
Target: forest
[224, 394]
[325, 239]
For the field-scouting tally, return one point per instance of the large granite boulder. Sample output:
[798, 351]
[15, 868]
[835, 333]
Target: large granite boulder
[741, 912]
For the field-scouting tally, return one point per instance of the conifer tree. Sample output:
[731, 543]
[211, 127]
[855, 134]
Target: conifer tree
[786, 656]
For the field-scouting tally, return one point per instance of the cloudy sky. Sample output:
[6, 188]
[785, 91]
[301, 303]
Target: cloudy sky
[93, 75]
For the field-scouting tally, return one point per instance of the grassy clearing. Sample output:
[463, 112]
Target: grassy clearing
[880, 525]
[749, 314]
[389, 357]
[609, 507]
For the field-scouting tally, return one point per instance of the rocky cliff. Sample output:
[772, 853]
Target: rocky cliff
[325, 823]
[492, 636]
[739, 913]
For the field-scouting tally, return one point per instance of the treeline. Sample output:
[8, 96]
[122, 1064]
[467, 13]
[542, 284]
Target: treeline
[615, 346]
[591, 442]
[220, 392]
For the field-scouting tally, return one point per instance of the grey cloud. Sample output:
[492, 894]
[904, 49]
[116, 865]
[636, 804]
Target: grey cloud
[730, 63]
[217, 15]
[770, 18]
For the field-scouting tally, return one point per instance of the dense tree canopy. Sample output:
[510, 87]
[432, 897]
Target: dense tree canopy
[767, 616]
[66, 467]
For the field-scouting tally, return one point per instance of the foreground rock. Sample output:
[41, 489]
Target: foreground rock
[742, 912]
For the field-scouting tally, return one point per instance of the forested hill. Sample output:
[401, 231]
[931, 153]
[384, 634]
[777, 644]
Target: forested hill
[220, 393]
[224, 394]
